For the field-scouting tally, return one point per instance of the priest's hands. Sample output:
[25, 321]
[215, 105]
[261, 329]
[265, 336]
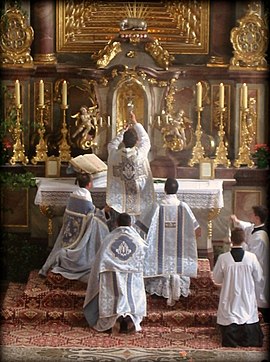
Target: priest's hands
[132, 118]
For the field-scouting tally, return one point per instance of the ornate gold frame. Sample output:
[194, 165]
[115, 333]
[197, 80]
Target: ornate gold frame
[52, 167]
[88, 29]
[207, 169]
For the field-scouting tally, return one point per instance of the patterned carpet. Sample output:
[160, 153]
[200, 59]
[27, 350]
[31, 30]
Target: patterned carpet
[43, 321]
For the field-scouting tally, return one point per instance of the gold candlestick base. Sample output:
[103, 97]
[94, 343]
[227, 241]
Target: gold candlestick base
[18, 147]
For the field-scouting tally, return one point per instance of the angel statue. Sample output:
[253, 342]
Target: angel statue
[174, 133]
[86, 119]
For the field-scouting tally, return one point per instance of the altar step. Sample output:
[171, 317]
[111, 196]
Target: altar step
[58, 299]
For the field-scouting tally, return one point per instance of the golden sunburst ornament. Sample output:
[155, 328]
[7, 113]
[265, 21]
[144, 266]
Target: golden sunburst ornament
[136, 10]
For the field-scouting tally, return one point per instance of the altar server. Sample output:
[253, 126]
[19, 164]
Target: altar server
[130, 186]
[257, 241]
[170, 230]
[115, 295]
[80, 237]
[238, 271]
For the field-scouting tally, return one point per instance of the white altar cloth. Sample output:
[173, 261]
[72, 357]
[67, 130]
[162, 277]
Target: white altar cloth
[198, 194]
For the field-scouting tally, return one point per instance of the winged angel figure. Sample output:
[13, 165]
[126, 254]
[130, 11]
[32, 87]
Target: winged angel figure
[86, 120]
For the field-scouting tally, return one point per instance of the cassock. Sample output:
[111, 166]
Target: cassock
[115, 286]
[79, 239]
[257, 242]
[171, 258]
[130, 185]
[238, 271]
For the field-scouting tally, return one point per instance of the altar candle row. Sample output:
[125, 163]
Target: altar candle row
[41, 93]
[244, 95]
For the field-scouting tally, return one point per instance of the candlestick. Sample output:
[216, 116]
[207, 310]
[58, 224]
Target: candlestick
[244, 96]
[41, 147]
[221, 95]
[167, 119]
[158, 120]
[17, 93]
[101, 121]
[221, 151]
[198, 149]
[18, 146]
[199, 94]
[64, 93]
[109, 121]
[41, 93]
[244, 155]
[64, 147]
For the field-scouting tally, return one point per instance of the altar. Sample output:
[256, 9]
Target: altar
[205, 197]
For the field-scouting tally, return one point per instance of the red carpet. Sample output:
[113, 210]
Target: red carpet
[48, 313]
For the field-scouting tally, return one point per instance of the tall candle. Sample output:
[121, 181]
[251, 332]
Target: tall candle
[109, 120]
[199, 94]
[64, 93]
[17, 93]
[150, 121]
[221, 95]
[167, 119]
[244, 96]
[158, 120]
[101, 121]
[41, 93]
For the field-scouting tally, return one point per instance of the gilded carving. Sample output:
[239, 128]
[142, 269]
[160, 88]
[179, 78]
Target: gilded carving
[86, 120]
[86, 26]
[16, 39]
[250, 41]
[104, 56]
[159, 54]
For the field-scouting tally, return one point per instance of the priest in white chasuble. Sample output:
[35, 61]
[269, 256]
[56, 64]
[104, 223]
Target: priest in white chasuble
[80, 237]
[115, 292]
[170, 230]
[130, 187]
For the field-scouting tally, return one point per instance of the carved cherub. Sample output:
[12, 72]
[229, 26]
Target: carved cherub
[85, 121]
[174, 133]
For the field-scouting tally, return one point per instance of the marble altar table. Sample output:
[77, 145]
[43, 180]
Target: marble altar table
[205, 197]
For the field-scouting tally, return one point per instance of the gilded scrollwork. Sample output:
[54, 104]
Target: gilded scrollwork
[16, 39]
[159, 54]
[250, 41]
[104, 56]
